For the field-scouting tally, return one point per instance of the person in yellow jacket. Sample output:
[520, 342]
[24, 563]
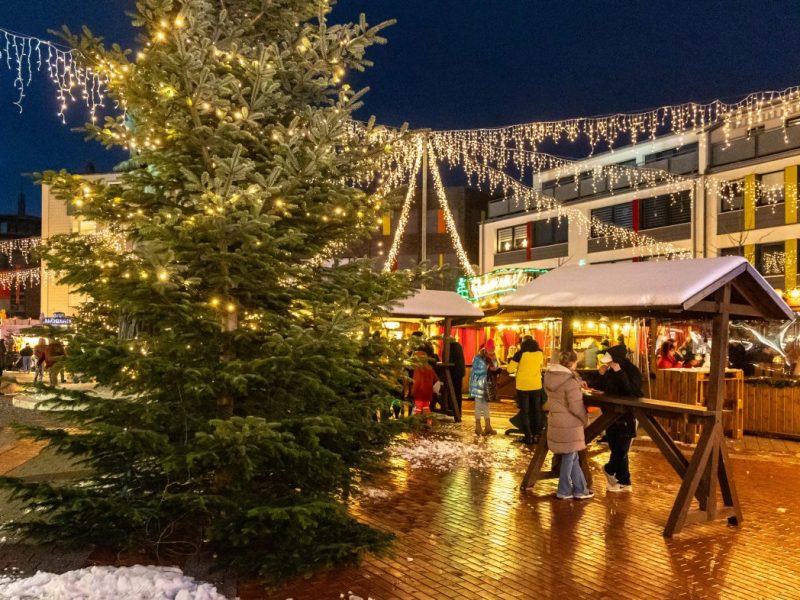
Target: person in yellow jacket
[527, 364]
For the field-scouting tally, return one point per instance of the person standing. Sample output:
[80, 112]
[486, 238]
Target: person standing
[566, 425]
[457, 369]
[39, 352]
[26, 354]
[668, 357]
[622, 378]
[590, 354]
[422, 383]
[54, 361]
[479, 391]
[527, 365]
[493, 370]
[3, 352]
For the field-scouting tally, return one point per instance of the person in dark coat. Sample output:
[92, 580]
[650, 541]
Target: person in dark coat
[737, 357]
[622, 378]
[457, 370]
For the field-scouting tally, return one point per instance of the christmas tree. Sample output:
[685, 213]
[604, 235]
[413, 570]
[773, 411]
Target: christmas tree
[246, 381]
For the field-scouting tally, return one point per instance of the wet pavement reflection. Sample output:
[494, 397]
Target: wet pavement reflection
[464, 530]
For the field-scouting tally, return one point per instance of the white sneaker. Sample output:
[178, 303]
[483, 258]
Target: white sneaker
[586, 496]
[560, 497]
[614, 487]
[626, 488]
[612, 480]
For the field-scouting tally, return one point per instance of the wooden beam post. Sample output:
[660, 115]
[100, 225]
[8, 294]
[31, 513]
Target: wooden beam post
[719, 351]
[567, 338]
[691, 480]
[448, 377]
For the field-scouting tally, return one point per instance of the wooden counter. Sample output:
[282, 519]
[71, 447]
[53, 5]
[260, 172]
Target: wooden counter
[689, 386]
[771, 410]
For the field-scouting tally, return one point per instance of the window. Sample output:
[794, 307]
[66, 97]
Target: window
[770, 189]
[731, 196]
[550, 231]
[661, 211]
[771, 259]
[619, 214]
[512, 238]
[732, 251]
[549, 188]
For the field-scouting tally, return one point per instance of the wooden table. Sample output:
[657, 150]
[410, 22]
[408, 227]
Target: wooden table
[699, 473]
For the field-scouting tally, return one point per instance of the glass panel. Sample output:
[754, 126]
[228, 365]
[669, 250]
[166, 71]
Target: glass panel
[505, 239]
[521, 236]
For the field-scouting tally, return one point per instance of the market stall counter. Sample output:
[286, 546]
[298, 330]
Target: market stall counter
[712, 288]
[446, 306]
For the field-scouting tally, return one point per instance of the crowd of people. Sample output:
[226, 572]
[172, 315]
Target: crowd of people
[548, 397]
[42, 357]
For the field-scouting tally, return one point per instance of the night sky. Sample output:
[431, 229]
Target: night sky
[464, 63]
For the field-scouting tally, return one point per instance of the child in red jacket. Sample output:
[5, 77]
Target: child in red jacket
[424, 379]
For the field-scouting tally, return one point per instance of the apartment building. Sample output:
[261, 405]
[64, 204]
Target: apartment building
[718, 193]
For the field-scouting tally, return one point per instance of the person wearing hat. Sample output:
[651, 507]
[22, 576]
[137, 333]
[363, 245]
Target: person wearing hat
[622, 378]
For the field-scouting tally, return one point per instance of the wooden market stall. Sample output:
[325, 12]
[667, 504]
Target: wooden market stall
[714, 288]
[449, 307]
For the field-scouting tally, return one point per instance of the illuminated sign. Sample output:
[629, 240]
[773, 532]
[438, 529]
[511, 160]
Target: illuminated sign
[496, 283]
[59, 319]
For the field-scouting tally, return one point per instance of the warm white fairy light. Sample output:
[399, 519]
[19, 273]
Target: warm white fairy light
[21, 278]
[749, 112]
[618, 237]
[24, 55]
[19, 246]
[405, 211]
[450, 223]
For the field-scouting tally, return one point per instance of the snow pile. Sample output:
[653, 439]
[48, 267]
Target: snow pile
[102, 583]
[443, 454]
[374, 493]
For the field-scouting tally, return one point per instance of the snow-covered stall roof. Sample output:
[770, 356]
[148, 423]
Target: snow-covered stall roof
[649, 286]
[435, 303]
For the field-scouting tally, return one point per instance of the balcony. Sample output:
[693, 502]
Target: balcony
[759, 144]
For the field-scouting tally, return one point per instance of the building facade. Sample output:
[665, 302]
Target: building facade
[714, 193]
[58, 218]
[22, 298]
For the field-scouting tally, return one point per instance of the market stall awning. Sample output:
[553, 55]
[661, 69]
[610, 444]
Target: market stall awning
[435, 303]
[664, 287]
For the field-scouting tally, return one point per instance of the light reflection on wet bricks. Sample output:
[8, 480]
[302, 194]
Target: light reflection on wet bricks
[472, 534]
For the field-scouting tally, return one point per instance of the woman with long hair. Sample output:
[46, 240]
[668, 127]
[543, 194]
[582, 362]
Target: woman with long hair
[566, 422]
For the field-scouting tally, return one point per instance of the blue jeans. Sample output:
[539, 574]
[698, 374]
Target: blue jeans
[571, 480]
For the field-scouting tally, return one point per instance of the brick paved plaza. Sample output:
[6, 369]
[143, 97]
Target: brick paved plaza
[467, 532]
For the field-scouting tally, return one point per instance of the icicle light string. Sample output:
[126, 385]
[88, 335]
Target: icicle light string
[750, 111]
[405, 211]
[619, 237]
[21, 278]
[448, 216]
[23, 55]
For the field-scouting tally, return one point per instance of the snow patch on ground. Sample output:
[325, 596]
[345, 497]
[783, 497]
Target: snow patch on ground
[102, 583]
[444, 454]
[374, 493]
